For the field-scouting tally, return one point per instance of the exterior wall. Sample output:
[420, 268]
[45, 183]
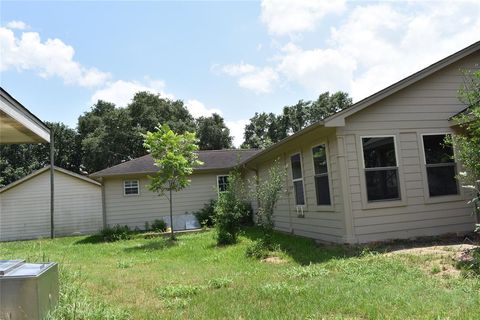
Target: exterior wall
[424, 107]
[319, 222]
[135, 210]
[25, 209]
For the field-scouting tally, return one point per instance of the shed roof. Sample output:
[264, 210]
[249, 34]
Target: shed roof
[212, 159]
[42, 170]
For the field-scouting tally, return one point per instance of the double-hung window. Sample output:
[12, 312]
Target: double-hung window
[222, 183]
[297, 178]
[440, 165]
[131, 187]
[322, 188]
[381, 169]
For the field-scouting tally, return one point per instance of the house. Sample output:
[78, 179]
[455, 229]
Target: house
[128, 201]
[25, 206]
[378, 170]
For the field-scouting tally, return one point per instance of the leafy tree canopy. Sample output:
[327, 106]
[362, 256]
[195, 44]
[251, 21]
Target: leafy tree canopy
[212, 133]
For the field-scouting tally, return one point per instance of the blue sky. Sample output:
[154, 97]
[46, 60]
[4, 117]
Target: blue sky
[235, 58]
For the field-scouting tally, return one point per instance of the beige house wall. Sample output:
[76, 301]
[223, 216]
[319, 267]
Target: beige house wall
[135, 210]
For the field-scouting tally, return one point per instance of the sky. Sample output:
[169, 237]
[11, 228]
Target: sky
[230, 57]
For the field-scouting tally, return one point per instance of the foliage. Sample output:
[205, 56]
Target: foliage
[467, 139]
[265, 129]
[206, 215]
[260, 249]
[174, 155]
[159, 225]
[267, 192]
[115, 233]
[230, 209]
[17, 161]
[212, 133]
[471, 263]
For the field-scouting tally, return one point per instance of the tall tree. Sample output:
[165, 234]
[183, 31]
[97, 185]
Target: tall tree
[17, 161]
[174, 155]
[265, 129]
[212, 133]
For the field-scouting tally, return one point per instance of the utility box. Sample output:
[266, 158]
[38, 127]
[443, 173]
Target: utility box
[27, 290]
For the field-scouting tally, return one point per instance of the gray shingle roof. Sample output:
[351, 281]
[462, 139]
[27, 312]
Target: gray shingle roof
[212, 160]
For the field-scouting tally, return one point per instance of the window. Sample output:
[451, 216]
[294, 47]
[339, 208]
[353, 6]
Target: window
[297, 178]
[222, 183]
[381, 170]
[440, 165]
[321, 175]
[130, 187]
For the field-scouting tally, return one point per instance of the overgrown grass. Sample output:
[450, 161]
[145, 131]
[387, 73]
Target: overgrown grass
[193, 278]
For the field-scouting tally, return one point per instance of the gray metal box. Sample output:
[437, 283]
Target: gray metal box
[27, 290]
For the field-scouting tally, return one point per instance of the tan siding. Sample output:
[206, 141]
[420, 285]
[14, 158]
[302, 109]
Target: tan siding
[134, 211]
[421, 108]
[25, 209]
[325, 224]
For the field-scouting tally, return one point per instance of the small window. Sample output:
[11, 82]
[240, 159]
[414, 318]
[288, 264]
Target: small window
[381, 170]
[222, 183]
[320, 166]
[297, 178]
[130, 187]
[440, 165]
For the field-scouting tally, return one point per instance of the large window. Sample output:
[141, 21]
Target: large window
[322, 188]
[222, 183]
[381, 170]
[440, 166]
[130, 187]
[297, 177]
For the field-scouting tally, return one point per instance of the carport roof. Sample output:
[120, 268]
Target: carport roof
[18, 125]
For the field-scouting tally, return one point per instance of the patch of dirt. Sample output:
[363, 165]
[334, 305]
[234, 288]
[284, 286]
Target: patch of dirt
[274, 260]
[444, 260]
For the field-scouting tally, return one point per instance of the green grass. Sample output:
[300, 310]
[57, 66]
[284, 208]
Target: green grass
[193, 278]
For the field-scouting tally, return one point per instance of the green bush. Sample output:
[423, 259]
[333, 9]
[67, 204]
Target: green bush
[206, 215]
[116, 233]
[258, 250]
[230, 209]
[159, 225]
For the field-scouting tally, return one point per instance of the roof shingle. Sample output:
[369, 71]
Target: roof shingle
[212, 160]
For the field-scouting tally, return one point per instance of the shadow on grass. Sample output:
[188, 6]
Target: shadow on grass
[153, 245]
[305, 251]
[93, 239]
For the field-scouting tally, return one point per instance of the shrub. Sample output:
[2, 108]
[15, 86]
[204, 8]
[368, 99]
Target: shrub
[116, 233]
[230, 209]
[206, 215]
[159, 225]
[258, 250]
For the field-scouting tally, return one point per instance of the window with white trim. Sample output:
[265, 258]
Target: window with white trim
[320, 167]
[222, 183]
[297, 178]
[440, 165]
[131, 187]
[381, 169]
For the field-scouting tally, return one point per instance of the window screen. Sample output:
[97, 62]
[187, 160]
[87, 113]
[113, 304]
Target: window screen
[130, 187]
[322, 188]
[381, 170]
[297, 178]
[440, 165]
[222, 182]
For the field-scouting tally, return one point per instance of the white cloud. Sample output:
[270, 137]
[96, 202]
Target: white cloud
[15, 24]
[49, 58]
[238, 69]
[284, 17]
[198, 109]
[121, 92]
[372, 46]
[237, 128]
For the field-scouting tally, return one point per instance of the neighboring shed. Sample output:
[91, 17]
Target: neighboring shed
[25, 206]
[128, 201]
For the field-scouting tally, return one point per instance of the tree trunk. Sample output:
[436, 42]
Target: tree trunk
[172, 236]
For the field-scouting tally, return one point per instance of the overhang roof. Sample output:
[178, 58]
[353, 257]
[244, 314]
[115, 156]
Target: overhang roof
[18, 125]
[212, 159]
[40, 171]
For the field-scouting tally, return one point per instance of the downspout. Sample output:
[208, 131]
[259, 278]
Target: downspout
[52, 184]
[104, 204]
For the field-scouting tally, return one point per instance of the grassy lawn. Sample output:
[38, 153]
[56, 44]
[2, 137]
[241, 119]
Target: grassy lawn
[155, 279]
